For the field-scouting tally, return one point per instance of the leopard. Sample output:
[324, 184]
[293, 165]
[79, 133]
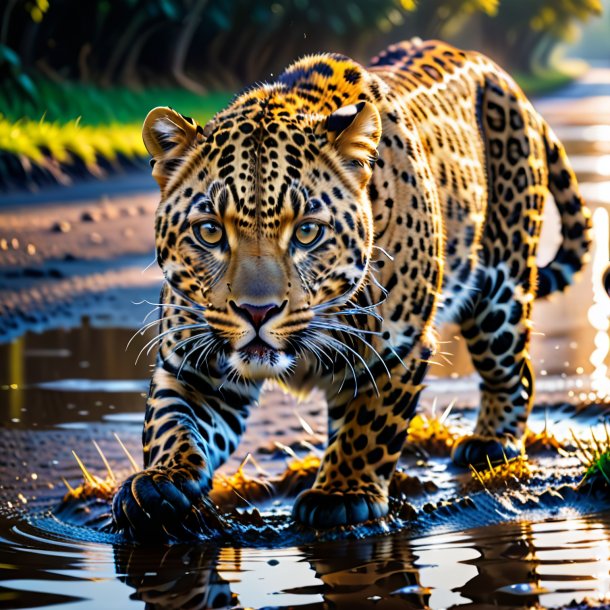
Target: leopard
[318, 231]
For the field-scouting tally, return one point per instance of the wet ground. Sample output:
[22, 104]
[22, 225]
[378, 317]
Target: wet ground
[69, 274]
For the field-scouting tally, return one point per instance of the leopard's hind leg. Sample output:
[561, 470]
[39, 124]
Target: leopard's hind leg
[496, 323]
[497, 332]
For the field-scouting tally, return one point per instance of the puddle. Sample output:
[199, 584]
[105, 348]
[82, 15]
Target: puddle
[64, 388]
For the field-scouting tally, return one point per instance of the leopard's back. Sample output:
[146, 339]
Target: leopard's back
[488, 149]
[442, 88]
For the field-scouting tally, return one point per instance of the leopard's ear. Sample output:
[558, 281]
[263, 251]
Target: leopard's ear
[168, 136]
[355, 131]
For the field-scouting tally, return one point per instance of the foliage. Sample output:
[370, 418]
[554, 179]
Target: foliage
[38, 152]
[222, 44]
[13, 76]
[524, 32]
[599, 468]
[444, 18]
[110, 61]
[595, 457]
[36, 139]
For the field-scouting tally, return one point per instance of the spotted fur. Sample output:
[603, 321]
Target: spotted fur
[426, 174]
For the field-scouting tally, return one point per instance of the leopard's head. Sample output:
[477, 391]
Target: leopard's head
[265, 221]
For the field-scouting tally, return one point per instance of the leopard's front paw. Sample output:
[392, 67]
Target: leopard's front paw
[478, 451]
[322, 509]
[153, 504]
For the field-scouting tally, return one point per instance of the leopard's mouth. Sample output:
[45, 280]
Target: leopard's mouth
[259, 350]
[259, 360]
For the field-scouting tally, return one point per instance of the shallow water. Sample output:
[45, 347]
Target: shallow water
[61, 389]
[509, 566]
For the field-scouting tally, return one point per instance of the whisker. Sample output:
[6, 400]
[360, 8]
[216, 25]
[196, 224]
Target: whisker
[362, 360]
[144, 328]
[183, 296]
[186, 341]
[340, 353]
[338, 300]
[390, 257]
[380, 286]
[156, 339]
[317, 351]
[185, 359]
[152, 262]
[344, 327]
[206, 347]
[197, 310]
[354, 334]
[371, 348]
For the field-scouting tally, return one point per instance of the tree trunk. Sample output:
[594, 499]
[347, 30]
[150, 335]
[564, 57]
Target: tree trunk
[121, 47]
[189, 27]
[129, 72]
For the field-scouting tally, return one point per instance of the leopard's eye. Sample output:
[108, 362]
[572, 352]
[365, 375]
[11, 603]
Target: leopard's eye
[209, 233]
[308, 234]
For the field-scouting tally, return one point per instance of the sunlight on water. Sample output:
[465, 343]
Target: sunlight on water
[556, 562]
[599, 312]
[572, 558]
[445, 571]
[260, 581]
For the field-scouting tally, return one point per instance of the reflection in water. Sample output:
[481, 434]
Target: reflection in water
[261, 578]
[599, 312]
[16, 366]
[586, 545]
[184, 577]
[550, 563]
[482, 566]
[443, 567]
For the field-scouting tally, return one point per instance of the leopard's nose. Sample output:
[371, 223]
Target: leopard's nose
[257, 315]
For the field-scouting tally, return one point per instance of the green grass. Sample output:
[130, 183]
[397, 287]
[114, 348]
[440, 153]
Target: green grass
[541, 82]
[42, 141]
[68, 101]
[71, 124]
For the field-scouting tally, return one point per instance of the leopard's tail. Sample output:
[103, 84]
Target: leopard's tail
[575, 221]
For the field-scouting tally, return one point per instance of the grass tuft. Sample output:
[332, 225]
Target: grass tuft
[509, 473]
[594, 455]
[435, 433]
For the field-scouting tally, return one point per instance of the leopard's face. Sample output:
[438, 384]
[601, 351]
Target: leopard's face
[266, 225]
